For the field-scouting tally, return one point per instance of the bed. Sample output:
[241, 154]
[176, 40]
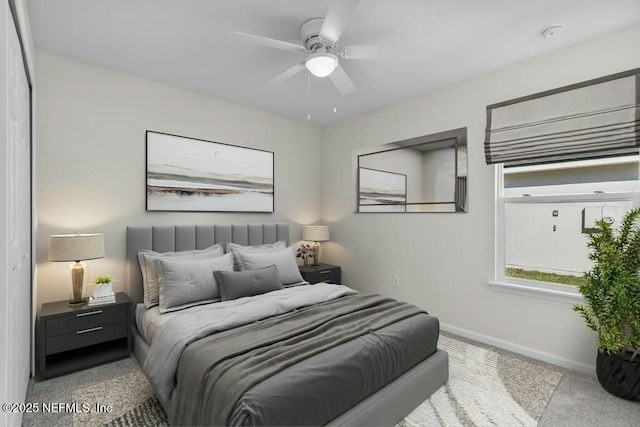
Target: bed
[368, 378]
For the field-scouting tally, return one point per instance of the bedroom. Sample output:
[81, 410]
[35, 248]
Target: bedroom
[89, 161]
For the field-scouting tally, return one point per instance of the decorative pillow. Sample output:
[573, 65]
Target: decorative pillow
[147, 259]
[267, 247]
[185, 283]
[284, 260]
[238, 284]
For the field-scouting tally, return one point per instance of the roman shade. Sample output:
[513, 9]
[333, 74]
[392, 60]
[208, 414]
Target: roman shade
[593, 119]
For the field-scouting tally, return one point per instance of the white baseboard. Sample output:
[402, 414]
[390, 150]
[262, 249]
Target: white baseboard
[525, 351]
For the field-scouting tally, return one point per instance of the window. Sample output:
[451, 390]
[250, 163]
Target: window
[544, 211]
[566, 158]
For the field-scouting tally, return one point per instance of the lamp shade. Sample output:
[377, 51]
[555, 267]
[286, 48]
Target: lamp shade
[317, 233]
[321, 64]
[76, 247]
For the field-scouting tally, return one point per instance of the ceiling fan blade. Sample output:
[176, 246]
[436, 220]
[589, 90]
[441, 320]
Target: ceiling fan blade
[380, 51]
[336, 20]
[287, 74]
[342, 81]
[265, 41]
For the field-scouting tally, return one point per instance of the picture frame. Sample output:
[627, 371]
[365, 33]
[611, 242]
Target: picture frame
[195, 175]
[381, 191]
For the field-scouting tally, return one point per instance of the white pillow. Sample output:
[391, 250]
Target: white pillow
[147, 259]
[267, 247]
[185, 283]
[284, 260]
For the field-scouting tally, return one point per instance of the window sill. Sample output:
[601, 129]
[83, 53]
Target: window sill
[539, 290]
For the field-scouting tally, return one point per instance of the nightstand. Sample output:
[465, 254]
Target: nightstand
[321, 273]
[75, 338]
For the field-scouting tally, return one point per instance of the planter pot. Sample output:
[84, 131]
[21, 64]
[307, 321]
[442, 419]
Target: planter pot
[618, 376]
[103, 290]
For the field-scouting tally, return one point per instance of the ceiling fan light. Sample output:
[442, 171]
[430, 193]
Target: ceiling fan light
[321, 64]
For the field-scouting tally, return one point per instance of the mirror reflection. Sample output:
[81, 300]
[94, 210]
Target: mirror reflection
[424, 174]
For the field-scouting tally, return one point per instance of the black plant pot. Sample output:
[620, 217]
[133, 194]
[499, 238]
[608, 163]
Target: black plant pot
[618, 376]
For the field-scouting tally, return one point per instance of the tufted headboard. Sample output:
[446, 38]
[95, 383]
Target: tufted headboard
[187, 237]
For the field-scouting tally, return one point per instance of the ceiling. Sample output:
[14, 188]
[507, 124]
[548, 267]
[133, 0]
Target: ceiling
[187, 44]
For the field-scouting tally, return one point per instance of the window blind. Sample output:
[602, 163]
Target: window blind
[588, 120]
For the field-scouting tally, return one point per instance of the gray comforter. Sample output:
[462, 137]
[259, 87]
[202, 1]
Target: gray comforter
[218, 370]
[171, 338]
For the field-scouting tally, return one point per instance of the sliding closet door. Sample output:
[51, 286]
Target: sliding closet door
[15, 220]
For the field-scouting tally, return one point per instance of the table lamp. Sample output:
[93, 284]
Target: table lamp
[316, 233]
[76, 247]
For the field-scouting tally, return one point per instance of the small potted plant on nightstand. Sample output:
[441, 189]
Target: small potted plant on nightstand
[103, 286]
[612, 296]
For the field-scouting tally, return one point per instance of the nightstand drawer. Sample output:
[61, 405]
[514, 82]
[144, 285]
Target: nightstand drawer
[321, 274]
[86, 337]
[87, 319]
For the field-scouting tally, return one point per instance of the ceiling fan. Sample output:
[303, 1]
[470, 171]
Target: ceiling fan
[320, 42]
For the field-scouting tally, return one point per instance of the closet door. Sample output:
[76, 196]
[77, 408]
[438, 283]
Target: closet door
[15, 221]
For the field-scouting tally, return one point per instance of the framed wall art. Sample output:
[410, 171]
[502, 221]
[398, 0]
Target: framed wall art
[382, 191]
[187, 174]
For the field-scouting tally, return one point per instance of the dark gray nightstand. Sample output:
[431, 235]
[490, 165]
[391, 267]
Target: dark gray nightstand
[75, 338]
[321, 273]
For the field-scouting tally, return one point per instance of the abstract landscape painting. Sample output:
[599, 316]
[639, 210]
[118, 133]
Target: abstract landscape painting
[185, 174]
[381, 191]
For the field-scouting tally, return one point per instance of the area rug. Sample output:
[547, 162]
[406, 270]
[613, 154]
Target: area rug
[485, 388]
[128, 400]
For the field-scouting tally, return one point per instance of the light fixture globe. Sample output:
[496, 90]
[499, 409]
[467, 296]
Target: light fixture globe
[321, 64]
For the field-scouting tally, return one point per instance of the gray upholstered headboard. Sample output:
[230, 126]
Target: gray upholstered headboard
[187, 237]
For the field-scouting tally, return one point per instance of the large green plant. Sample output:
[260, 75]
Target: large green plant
[612, 291]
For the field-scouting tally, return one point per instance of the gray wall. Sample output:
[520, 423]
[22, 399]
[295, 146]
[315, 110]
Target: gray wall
[445, 260]
[91, 159]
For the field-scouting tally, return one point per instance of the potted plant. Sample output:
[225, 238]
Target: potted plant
[612, 309]
[103, 286]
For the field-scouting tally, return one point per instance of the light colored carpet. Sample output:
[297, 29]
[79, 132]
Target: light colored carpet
[486, 388]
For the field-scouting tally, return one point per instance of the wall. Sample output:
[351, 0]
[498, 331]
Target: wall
[445, 260]
[91, 159]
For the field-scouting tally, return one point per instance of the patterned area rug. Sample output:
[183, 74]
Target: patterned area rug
[131, 398]
[485, 388]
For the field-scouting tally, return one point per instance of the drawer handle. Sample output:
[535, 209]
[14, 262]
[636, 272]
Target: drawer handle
[89, 313]
[89, 330]
[325, 272]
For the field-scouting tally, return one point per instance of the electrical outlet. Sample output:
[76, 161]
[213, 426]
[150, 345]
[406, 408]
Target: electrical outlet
[396, 281]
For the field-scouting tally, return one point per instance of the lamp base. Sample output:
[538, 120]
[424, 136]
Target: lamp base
[316, 254]
[72, 303]
[77, 278]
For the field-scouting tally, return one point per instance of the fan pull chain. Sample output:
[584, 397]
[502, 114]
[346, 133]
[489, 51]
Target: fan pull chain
[308, 93]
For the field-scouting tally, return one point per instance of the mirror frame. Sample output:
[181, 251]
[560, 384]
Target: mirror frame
[459, 137]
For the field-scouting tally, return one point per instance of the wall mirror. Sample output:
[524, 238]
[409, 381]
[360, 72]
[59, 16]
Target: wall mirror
[423, 174]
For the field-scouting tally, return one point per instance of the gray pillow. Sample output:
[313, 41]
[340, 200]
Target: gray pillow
[284, 260]
[185, 283]
[147, 259]
[238, 284]
[267, 247]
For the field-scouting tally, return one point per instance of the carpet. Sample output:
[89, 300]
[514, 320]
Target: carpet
[486, 387]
